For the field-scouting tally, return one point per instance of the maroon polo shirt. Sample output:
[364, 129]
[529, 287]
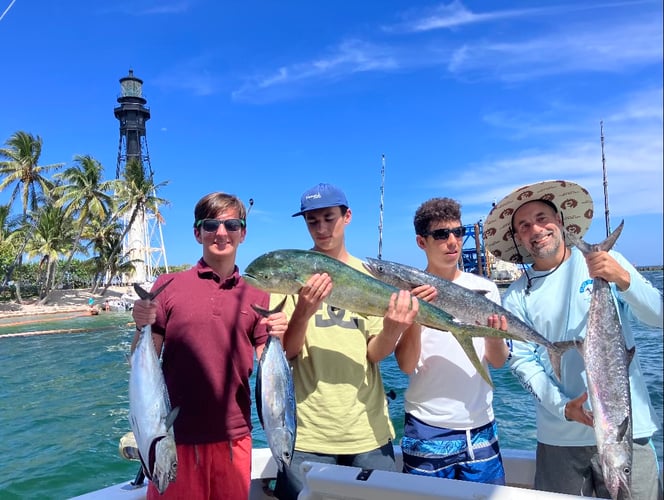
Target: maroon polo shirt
[210, 331]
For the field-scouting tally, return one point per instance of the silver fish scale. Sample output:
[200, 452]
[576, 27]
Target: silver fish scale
[607, 370]
[606, 363]
[149, 406]
[276, 392]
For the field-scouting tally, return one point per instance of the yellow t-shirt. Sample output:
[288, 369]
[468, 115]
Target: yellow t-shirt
[341, 405]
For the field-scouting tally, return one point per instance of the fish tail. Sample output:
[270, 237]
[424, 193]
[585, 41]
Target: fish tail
[604, 246]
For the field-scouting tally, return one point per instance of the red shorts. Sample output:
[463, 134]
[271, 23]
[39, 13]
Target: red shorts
[214, 471]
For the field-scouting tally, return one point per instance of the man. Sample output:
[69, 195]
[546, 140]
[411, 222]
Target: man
[553, 296]
[342, 415]
[208, 330]
[449, 426]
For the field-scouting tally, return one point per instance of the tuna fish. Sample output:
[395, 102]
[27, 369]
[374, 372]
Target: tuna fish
[607, 370]
[465, 305]
[286, 271]
[275, 398]
[150, 414]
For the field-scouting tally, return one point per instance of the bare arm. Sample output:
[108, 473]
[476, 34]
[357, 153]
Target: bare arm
[409, 346]
[496, 350]
[311, 296]
[408, 349]
[400, 314]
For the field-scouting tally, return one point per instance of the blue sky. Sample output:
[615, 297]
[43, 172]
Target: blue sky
[265, 99]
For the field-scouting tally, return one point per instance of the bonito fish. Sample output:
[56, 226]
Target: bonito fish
[465, 305]
[275, 397]
[286, 271]
[607, 369]
[150, 414]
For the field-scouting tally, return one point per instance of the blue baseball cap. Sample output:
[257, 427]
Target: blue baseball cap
[321, 196]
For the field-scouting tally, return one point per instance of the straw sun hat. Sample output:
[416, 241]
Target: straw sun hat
[571, 200]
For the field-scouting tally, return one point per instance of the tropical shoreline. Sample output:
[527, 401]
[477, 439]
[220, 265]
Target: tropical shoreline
[62, 301]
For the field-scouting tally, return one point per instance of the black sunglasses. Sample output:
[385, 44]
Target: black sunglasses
[212, 225]
[443, 234]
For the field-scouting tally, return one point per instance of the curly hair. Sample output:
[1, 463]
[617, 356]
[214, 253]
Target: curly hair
[434, 210]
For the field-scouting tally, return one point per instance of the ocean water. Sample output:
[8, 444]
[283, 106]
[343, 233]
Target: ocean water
[65, 404]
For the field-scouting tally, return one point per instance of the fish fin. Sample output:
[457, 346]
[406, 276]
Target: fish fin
[266, 312]
[558, 349]
[481, 292]
[630, 355]
[170, 418]
[144, 294]
[466, 344]
[622, 429]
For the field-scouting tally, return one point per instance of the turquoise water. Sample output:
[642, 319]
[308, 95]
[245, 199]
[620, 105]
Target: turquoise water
[65, 406]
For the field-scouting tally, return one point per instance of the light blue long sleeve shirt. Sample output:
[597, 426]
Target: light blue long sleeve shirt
[557, 307]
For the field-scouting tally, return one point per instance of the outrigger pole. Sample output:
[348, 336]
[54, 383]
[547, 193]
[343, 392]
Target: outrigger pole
[380, 220]
[606, 186]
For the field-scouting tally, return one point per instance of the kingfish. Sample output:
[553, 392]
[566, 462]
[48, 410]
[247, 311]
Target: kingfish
[465, 305]
[286, 271]
[275, 397]
[607, 362]
[150, 414]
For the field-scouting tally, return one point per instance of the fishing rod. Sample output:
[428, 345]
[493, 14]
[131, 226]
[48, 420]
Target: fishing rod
[605, 182]
[380, 220]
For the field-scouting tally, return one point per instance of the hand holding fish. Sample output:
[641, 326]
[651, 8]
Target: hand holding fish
[401, 313]
[276, 324]
[575, 411]
[496, 348]
[427, 293]
[144, 312]
[602, 265]
[313, 293]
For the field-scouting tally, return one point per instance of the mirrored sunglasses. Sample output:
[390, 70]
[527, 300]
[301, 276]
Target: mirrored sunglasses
[212, 225]
[443, 234]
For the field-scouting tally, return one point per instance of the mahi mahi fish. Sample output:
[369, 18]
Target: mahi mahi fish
[607, 370]
[275, 397]
[286, 271]
[150, 414]
[465, 305]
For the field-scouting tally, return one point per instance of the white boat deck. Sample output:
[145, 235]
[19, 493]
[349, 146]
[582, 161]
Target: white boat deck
[333, 482]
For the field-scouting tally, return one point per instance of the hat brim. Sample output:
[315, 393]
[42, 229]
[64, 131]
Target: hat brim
[571, 200]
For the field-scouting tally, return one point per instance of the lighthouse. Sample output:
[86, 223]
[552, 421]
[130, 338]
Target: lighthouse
[143, 244]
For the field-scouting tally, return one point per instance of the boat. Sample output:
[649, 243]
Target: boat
[327, 482]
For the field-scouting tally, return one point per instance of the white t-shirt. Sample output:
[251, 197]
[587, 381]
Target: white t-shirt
[445, 390]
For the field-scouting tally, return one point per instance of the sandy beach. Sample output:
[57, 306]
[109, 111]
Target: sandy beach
[62, 301]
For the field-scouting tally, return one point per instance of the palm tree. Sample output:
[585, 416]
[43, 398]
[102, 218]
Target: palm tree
[136, 194]
[84, 195]
[53, 237]
[20, 169]
[108, 263]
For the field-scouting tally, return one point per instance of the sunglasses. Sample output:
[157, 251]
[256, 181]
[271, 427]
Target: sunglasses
[212, 225]
[443, 234]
